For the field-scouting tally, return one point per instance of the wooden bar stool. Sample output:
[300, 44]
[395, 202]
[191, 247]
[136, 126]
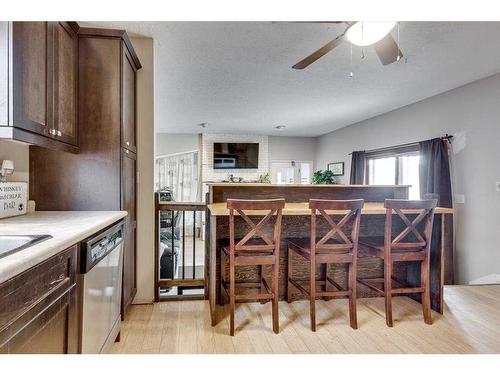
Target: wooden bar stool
[255, 248]
[334, 247]
[391, 248]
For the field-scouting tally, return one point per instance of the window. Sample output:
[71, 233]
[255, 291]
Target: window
[291, 172]
[178, 173]
[397, 166]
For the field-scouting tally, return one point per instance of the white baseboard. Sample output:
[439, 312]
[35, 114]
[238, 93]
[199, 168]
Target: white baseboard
[494, 278]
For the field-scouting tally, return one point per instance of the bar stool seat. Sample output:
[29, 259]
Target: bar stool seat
[260, 250]
[377, 243]
[302, 246]
[334, 246]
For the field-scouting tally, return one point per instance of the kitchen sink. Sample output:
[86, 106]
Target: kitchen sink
[10, 244]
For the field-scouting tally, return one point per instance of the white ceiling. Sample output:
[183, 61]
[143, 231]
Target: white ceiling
[237, 76]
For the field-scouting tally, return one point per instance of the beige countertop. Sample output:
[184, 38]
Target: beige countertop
[302, 208]
[299, 185]
[66, 228]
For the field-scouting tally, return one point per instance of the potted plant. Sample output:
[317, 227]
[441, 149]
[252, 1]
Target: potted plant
[323, 178]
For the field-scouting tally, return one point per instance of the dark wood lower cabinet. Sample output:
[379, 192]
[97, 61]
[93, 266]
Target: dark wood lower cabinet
[39, 308]
[47, 333]
[128, 189]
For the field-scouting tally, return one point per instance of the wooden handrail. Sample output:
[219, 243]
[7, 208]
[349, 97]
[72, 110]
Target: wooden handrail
[182, 206]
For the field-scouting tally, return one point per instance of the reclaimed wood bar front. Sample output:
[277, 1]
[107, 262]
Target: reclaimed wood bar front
[296, 224]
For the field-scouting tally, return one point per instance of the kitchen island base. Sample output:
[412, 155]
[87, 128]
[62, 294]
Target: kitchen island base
[296, 224]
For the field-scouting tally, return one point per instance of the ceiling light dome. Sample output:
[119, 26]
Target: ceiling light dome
[365, 33]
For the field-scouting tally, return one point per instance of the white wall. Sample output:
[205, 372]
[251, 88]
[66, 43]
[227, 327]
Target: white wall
[292, 148]
[145, 167]
[472, 113]
[167, 143]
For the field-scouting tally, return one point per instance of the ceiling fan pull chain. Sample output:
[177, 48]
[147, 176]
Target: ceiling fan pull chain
[399, 51]
[351, 74]
[362, 38]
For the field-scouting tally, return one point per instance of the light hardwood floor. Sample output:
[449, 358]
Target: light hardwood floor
[470, 324]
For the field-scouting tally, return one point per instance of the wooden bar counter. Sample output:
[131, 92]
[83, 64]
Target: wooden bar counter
[296, 223]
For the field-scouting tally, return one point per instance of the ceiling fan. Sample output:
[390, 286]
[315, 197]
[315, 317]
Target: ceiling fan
[362, 33]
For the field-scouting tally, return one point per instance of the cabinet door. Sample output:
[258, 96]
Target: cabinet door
[128, 101]
[4, 73]
[65, 47]
[32, 77]
[129, 249]
[39, 308]
[47, 333]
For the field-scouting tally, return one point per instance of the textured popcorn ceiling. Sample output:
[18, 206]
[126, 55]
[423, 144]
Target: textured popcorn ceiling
[237, 76]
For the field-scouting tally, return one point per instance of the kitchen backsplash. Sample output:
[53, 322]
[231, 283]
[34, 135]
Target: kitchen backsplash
[19, 154]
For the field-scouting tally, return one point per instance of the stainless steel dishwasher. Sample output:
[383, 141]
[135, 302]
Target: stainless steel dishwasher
[101, 266]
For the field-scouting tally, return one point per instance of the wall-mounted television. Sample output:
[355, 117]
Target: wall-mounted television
[236, 155]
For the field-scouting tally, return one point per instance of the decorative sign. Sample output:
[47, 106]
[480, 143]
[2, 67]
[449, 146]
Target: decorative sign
[13, 198]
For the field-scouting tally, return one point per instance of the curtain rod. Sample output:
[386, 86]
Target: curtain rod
[446, 137]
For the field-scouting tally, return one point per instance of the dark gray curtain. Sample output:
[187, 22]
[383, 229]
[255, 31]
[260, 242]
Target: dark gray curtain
[434, 171]
[358, 168]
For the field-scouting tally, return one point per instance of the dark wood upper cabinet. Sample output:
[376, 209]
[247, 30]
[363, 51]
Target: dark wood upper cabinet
[42, 61]
[32, 77]
[65, 42]
[129, 99]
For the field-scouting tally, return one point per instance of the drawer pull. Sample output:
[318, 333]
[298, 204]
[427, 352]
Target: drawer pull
[58, 280]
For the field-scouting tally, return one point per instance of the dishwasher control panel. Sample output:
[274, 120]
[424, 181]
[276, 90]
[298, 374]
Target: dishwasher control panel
[97, 247]
[104, 246]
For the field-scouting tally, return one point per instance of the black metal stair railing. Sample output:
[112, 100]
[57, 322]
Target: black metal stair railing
[175, 271]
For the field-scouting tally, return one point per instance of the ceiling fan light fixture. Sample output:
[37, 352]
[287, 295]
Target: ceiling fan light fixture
[365, 33]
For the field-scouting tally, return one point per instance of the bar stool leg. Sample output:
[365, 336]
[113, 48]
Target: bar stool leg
[275, 289]
[221, 296]
[312, 294]
[325, 287]
[288, 276]
[232, 295]
[426, 295]
[388, 291]
[262, 288]
[352, 298]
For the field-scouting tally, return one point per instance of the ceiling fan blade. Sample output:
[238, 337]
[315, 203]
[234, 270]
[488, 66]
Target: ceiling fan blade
[387, 50]
[316, 21]
[319, 53]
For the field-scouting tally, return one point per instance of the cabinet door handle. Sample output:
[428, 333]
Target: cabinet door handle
[126, 151]
[127, 143]
[59, 134]
[52, 131]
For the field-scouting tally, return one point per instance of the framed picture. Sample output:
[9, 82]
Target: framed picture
[337, 168]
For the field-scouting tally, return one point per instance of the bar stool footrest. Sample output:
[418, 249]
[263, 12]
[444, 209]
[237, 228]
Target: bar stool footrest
[397, 287]
[250, 285]
[334, 293]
